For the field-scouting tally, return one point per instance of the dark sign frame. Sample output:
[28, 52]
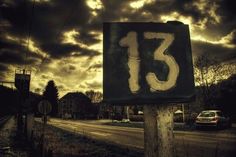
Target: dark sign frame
[116, 70]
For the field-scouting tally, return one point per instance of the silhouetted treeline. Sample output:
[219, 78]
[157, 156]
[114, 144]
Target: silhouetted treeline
[10, 101]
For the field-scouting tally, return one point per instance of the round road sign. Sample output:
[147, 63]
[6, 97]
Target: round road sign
[44, 107]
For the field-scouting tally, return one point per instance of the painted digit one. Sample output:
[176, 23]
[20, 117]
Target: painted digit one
[130, 41]
[153, 81]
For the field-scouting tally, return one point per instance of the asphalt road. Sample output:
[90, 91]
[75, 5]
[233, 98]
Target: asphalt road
[213, 143]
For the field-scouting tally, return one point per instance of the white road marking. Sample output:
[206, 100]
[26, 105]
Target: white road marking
[99, 133]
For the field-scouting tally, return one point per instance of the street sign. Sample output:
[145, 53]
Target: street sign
[147, 63]
[44, 107]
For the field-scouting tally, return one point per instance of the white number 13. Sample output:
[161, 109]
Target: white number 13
[155, 84]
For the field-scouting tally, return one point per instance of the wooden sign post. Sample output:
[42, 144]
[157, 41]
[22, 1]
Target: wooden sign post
[158, 131]
[149, 64]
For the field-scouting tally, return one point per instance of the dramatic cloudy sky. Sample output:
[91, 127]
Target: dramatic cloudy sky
[65, 43]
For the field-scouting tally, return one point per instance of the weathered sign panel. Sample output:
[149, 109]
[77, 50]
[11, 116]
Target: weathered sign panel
[44, 107]
[147, 63]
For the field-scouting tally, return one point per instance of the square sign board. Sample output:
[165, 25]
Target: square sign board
[147, 63]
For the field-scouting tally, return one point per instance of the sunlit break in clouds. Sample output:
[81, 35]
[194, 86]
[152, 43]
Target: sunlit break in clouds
[62, 40]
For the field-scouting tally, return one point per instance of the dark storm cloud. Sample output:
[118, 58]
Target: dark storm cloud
[14, 53]
[188, 8]
[115, 10]
[118, 10]
[4, 44]
[16, 15]
[227, 10]
[48, 22]
[51, 19]
[14, 57]
[3, 67]
[87, 38]
[184, 7]
[58, 50]
[112, 8]
[215, 51]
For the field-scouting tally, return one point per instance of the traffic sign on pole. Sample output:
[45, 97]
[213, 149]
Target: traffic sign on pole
[44, 107]
[147, 63]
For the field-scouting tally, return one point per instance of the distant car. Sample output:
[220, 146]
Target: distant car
[212, 118]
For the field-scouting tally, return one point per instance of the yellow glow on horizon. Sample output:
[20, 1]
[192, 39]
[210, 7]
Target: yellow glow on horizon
[224, 41]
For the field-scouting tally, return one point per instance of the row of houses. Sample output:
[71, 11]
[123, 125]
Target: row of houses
[76, 105]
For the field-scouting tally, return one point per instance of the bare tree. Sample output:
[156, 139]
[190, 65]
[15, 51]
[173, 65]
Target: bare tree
[95, 97]
[209, 72]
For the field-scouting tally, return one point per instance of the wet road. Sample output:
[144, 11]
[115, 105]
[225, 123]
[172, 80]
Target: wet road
[220, 143]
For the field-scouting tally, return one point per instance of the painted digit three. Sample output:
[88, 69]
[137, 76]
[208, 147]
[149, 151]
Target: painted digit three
[155, 84]
[153, 81]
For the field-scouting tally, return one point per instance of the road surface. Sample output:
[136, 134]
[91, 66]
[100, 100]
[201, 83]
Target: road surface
[214, 143]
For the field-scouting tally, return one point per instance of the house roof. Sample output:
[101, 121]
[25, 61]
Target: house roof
[75, 95]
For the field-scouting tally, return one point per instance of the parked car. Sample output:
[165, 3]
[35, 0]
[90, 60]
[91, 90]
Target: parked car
[212, 118]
